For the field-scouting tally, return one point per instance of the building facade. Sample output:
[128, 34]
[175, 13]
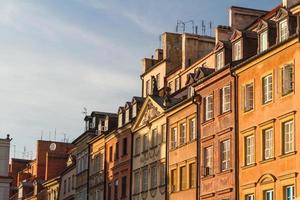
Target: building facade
[5, 179]
[268, 111]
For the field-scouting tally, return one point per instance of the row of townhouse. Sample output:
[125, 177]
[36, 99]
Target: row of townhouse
[217, 118]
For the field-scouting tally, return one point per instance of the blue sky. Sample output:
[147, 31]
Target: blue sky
[57, 57]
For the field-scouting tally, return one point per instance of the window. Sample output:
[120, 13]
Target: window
[145, 179]
[208, 161]
[263, 41]
[101, 162]
[177, 84]
[225, 155]
[268, 195]
[225, 99]
[124, 186]
[69, 184]
[208, 107]
[237, 51]
[289, 192]
[65, 186]
[116, 185]
[145, 142]
[170, 85]
[163, 133]
[267, 88]
[182, 137]
[192, 129]
[192, 175]
[154, 137]
[249, 149]
[147, 87]
[158, 80]
[124, 151]
[249, 197]
[162, 173]
[110, 154]
[182, 178]
[249, 97]
[288, 136]
[137, 149]
[117, 151]
[127, 116]
[287, 79]
[120, 120]
[283, 30]
[73, 182]
[153, 176]
[220, 60]
[134, 110]
[268, 143]
[173, 138]
[191, 91]
[136, 183]
[173, 180]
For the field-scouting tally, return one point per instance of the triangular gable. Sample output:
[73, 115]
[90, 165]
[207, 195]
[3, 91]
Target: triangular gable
[150, 110]
[219, 46]
[281, 13]
[190, 79]
[121, 109]
[70, 160]
[127, 105]
[236, 35]
[262, 24]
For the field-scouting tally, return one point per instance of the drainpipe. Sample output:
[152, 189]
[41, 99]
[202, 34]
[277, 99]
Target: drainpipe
[131, 164]
[104, 171]
[167, 161]
[236, 135]
[197, 102]
[88, 172]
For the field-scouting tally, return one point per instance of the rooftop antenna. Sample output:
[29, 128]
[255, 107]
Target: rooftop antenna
[210, 28]
[55, 134]
[14, 150]
[159, 41]
[24, 153]
[42, 133]
[183, 24]
[49, 136]
[203, 27]
[84, 111]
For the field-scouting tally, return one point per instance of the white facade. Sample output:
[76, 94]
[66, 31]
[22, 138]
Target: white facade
[4, 165]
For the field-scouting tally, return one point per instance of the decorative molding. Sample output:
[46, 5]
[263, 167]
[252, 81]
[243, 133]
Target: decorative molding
[267, 122]
[288, 176]
[287, 114]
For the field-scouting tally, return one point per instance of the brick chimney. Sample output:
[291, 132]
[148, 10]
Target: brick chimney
[223, 33]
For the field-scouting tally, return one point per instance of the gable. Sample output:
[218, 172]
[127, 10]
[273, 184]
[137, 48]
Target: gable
[149, 111]
[219, 46]
[262, 24]
[236, 35]
[281, 13]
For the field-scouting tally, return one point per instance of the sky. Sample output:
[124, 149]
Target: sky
[59, 56]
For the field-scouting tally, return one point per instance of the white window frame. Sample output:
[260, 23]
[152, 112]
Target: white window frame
[288, 136]
[292, 188]
[237, 46]
[226, 99]
[127, 115]
[220, 60]
[208, 160]
[134, 110]
[267, 88]
[192, 129]
[268, 143]
[250, 197]
[249, 97]
[182, 134]
[263, 41]
[225, 155]
[283, 30]
[287, 79]
[177, 84]
[157, 77]
[266, 193]
[249, 150]
[120, 120]
[208, 107]
[173, 138]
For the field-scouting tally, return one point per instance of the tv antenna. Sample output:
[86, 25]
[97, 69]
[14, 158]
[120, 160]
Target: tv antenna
[182, 25]
[84, 111]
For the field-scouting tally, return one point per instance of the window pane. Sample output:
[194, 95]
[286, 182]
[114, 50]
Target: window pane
[182, 138]
[249, 97]
[192, 129]
[183, 178]
[263, 37]
[268, 143]
[267, 89]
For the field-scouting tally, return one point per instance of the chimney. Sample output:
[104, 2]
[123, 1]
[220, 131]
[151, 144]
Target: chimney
[240, 18]
[158, 54]
[223, 33]
[290, 3]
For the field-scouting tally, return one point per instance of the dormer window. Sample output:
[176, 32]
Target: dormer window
[147, 87]
[237, 50]
[283, 30]
[220, 60]
[191, 91]
[157, 80]
[177, 84]
[127, 116]
[263, 41]
[120, 119]
[93, 125]
[134, 110]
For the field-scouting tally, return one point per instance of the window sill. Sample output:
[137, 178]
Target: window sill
[288, 154]
[248, 111]
[267, 160]
[288, 94]
[249, 166]
[208, 177]
[206, 138]
[208, 121]
[267, 103]
[225, 113]
[227, 171]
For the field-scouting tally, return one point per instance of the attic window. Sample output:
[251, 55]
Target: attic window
[127, 116]
[120, 119]
[220, 60]
[191, 91]
[237, 50]
[283, 30]
[134, 110]
[263, 41]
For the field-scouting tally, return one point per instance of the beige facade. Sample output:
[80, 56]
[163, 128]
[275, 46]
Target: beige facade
[149, 151]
